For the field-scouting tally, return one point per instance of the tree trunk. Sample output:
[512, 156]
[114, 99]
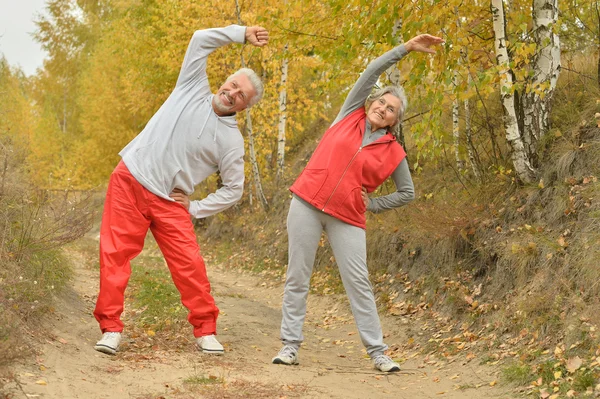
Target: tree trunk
[282, 117]
[523, 168]
[598, 37]
[546, 68]
[255, 172]
[393, 75]
[456, 123]
[472, 154]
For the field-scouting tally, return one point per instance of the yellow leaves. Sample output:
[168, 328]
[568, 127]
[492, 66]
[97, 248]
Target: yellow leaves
[557, 375]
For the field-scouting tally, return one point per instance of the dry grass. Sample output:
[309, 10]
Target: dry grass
[34, 225]
[242, 389]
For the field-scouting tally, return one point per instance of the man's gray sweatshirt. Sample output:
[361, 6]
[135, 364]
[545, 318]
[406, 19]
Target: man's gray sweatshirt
[186, 141]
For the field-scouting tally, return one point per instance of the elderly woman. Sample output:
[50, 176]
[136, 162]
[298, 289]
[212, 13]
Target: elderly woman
[354, 157]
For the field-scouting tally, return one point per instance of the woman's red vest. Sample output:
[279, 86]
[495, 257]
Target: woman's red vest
[338, 169]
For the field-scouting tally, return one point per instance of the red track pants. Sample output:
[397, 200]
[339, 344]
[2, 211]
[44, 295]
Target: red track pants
[129, 211]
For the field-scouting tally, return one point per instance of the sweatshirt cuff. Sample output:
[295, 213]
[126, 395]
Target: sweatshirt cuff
[401, 50]
[239, 33]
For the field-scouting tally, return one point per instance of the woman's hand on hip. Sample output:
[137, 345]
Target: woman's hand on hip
[365, 197]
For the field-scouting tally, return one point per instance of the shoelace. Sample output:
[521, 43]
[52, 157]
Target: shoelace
[113, 334]
[287, 351]
[383, 359]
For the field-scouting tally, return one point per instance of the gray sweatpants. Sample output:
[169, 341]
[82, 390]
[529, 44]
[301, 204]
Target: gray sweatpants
[305, 224]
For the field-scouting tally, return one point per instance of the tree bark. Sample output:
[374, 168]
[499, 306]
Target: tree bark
[472, 154]
[520, 160]
[456, 123]
[282, 117]
[393, 75]
[255, 172]
[546, 68]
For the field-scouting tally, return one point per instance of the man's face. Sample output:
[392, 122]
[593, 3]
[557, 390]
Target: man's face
[234, 95]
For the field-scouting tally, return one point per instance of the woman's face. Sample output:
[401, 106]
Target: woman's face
[383, 112]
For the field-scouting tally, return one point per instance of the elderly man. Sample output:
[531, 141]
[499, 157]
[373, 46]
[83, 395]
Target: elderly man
[193, 135]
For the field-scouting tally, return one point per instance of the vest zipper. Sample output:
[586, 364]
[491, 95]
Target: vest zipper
[342, 177]
[347, 166]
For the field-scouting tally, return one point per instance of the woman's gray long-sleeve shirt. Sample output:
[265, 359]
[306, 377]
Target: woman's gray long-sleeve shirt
[405, 191]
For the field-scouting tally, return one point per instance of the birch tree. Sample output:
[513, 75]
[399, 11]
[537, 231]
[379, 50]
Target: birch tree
[471, 153]
[393, 74]
[546, 68]
[456, 123]
[282, 117]
[519, 154]
[456, 104]
[255, 172]
[282, 112]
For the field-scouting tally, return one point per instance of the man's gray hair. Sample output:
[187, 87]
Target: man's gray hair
[396, 91]
[254, 80]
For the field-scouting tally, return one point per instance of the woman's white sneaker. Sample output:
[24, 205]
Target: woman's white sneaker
[287, 355]
[109, 343]
[385, 363]
[209, 344]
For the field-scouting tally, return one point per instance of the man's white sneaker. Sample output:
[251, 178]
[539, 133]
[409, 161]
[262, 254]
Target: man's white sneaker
[385, 363]
[109, 343]
[287, 355]
[209, 344]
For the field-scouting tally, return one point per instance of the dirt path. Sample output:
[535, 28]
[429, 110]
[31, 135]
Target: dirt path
[332, 361]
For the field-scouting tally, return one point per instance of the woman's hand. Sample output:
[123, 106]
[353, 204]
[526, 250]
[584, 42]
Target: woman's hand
[179, 196]
[422, 43]
[365, 197]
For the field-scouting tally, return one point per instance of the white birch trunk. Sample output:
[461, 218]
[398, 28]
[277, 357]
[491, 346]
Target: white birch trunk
[456, 105]
[255, 172]
[393, 75]
[546, 68]
[469, 138]
[282, 117]
[519, 155]
[455, 122]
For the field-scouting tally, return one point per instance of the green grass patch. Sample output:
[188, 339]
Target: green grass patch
[517, 373]
[155, 296]
[584, 380]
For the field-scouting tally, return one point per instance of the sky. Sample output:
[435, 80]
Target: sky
[16, 26]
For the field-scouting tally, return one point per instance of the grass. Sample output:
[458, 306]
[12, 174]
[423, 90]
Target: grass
[34, 226]
[517, 373]
[204, 380]
[155, 295]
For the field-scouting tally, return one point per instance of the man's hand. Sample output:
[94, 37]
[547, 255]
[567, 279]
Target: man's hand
[179, 196]
[422, 43]
[257, 36]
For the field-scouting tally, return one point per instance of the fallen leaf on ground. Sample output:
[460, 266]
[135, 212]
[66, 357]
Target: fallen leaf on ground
[573, 364]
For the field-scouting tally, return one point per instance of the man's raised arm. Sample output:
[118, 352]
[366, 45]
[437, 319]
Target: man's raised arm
[206, 41]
